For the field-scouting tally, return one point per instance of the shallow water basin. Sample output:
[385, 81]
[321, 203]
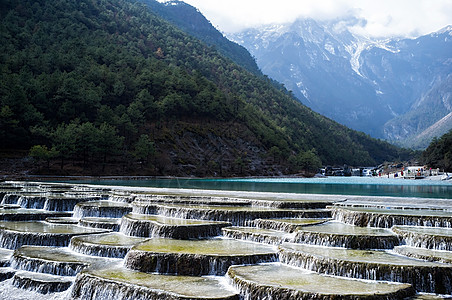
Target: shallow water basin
[279, 277]
[217, 247]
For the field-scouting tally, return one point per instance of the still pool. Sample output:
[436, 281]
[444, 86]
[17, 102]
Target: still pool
[363, 186]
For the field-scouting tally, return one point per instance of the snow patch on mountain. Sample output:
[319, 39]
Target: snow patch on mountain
[361, 82]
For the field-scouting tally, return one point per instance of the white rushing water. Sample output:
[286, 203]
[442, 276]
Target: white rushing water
[9, 292]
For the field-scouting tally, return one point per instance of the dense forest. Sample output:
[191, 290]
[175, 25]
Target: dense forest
[439, 153]
[111, 88]
[190, 20]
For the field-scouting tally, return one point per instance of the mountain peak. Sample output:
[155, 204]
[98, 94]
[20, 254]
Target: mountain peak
[445, 30]
[359, 81]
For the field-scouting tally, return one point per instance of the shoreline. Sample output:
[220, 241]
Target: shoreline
[16, 177]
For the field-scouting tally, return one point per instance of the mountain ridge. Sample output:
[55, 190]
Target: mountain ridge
[189, 19]
[360, 82]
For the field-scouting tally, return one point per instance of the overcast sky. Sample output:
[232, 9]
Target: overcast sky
[384, 18]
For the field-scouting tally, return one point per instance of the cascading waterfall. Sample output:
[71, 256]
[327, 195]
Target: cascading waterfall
[105, 209]
[386, 220]
[63, 203]
[113, 244]
[6, 273]
[347, 241]
[15, 234]
[111, 284]
[238, 217]
[190, 264]
[10, 199]
[144, 208]
[102, 223]
[13, 240]
[275, 281]
[425, 278]
[265, 236]
[287, 225]
[425, 254]
[426, 237]
[154, 226]
[99, 250]
[193, 224]
[33, 202]
[195, 257]
[41, 283]
[45, 266]
[121, 198]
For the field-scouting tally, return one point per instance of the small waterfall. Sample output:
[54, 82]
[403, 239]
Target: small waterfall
[233, 215]
[33, 202]
[148, 228]
[285, 225]
[425, 254]
[13, 240]
[261, 283]
[429, 242]
[113, 245]
[36, 265]
[55, 187]
[190, 264]
[10, 199]
[112, 251]
[90, 189]
[112, 224]
[101, 209]
[41, 283]
[144, 208]
[427, 237]
[385, 220]
[61, 204]
[6, 273]
[262, 236]
[40, 234]
[429, 279]
[121, 198]
[347, 240]
[131, 285]
[87, 286]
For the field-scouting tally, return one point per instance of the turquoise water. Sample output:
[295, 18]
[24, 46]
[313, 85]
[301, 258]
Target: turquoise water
[332, 185]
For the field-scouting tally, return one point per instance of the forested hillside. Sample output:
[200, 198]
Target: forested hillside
[111, 88]
[190, 20]
[439, 153]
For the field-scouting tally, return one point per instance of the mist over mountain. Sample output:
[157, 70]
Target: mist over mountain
[393, 89]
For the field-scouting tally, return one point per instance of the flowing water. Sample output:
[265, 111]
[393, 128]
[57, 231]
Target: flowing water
[244, 239]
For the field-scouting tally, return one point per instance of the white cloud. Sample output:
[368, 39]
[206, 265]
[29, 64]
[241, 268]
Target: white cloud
[384, 17]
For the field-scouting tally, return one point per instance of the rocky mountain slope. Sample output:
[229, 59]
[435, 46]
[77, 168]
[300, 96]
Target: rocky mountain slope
[391, 89]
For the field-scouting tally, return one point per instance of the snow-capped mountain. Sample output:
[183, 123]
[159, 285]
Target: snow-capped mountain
[367, 84]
